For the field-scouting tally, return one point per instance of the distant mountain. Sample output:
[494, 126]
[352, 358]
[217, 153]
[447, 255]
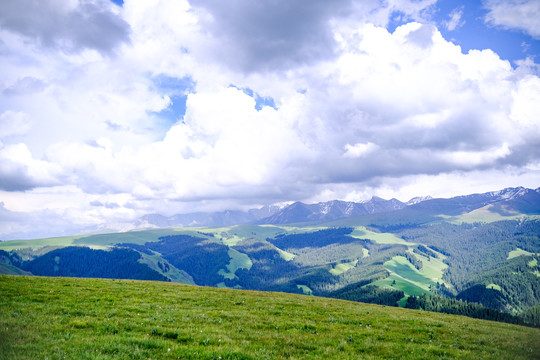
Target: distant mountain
[520, 200]
[331, 210]
[223, 218]
[517, 199]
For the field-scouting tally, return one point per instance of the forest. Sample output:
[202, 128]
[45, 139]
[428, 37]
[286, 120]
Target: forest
[475, 274]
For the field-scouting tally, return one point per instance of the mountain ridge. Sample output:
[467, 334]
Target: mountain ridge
[299, 212]
[515, 198]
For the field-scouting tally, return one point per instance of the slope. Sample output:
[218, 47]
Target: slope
[112, 319]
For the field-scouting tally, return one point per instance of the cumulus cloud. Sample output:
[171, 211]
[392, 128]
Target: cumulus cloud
[277, 35]
[67, 25]
[25, 86]
[515, 14]
[359, 150]
[454, 19]
[393, 116]
[13, 123]
[20, 171]
[329, 104]
[271, 34]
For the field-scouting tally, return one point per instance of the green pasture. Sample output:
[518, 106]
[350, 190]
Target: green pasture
[380, 238]
[518, 252]
[306, 290]
[238, 261]
[343, 267]
[67, 318]
[39, 243]
[494, 287]
[404, 276]
[173, 273]
[432, 268]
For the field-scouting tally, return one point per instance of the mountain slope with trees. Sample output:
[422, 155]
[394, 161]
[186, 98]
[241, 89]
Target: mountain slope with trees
[427, 248]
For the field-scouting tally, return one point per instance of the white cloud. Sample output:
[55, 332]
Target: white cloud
[515, 14]
[68, 25]
[454, 20]
[474, 158]
[359, 150]
[81, 126]
[20, 171]
[525, 106]
[13, 123]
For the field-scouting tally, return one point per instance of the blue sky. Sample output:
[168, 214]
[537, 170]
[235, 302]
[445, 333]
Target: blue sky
[474, 32]
[112, 110]
[471, 31]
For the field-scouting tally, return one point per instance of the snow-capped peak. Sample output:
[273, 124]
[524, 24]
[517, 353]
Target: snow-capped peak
[418, 199]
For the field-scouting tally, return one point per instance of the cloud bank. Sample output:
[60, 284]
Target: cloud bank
[282, 102]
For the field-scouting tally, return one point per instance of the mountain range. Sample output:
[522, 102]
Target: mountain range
[518, 199]
[476, 255]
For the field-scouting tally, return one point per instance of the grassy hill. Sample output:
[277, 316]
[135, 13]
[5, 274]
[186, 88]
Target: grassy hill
[495, 264]
[59, 318]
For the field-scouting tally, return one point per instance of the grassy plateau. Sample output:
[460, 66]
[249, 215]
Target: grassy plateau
[67, 318]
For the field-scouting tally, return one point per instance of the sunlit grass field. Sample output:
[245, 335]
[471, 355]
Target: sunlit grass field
[66, 318]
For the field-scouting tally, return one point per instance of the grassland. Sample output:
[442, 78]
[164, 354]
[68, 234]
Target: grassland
[343, 267]
[238, 261]
[432, 268]
[403, 276]
[486, 214]
[380, 238]
[58, 318]
[305, 289]
[172, 272]
[494, 287]
[38, 243]
[96, 241]
[518, 252]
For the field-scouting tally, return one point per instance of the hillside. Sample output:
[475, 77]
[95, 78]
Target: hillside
[477, 248]
[124, 319]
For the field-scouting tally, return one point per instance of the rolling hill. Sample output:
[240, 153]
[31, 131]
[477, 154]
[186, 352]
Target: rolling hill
[482, 249]
[71, 318]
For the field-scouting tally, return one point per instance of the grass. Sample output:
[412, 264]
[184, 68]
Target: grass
[518, 252]
[8, 269]
[134, 237]
[285, 255]
[494, 287]
[343, 267]
[432, 268]
[487, 215]
[484, 215]
[58, 318]
[306, 290]
[38, 243]
[172, 273]
[398, 282]
[232, 235]
[238, 261]
[96, 241]
[405, 277]
[380, 238]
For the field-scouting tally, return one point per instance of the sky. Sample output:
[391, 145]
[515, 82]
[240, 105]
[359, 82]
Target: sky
[110, 110]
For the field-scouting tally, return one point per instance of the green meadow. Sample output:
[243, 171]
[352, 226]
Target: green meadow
[68, 318]
[380, 238]
[238, 261]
